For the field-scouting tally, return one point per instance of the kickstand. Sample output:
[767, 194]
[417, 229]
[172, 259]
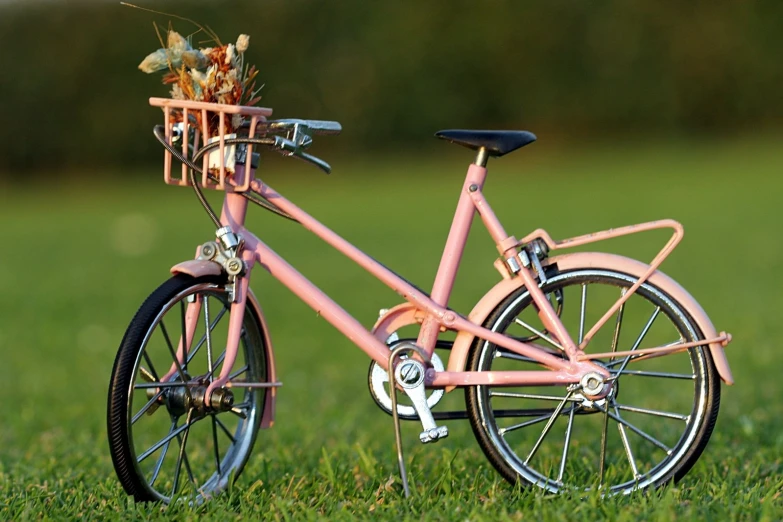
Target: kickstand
[404, 347]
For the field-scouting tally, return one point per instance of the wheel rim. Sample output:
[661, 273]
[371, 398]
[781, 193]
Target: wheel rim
[179, 448]
[641, 435]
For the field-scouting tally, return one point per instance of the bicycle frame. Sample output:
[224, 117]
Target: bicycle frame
[432, 311]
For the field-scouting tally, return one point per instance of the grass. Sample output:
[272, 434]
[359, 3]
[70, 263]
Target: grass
[80, 256]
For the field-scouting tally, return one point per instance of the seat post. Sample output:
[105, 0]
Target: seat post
[482, 156]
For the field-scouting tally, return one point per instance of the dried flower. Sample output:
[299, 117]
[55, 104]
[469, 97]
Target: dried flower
[177, 43]
[213, 74]
[155, 62]
[194, 59]
[176, 92]
[242, 43]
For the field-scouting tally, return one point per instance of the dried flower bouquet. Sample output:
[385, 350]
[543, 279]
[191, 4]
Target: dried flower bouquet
[213, 74]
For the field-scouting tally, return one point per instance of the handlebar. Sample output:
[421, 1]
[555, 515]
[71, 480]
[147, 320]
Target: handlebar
[317, 126]
[299, 137]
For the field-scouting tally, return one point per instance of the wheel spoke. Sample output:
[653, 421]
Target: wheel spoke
[215, 444]
[566, 443]
[174, 356]
[162, 441]
[582, 314]
[627, 446]
[542, 418]
[618, 323]
[203, 339]
[515, 395]
[239, 372]
[602, 464]
[159, 464]
[217, 363]
[188, 469]
[639, 340]
[225, 429]
[548, 427]
[146, 407]
[649, 438]
[542, 335]
[641, 356]
[152, 366]
[664, 375]
[181, 455]
[655, 413]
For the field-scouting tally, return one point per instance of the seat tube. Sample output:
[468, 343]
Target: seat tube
[452, 255]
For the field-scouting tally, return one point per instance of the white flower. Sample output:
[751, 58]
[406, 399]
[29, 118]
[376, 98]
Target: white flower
[176, 92]
[177, 43]
[154, 62]
[242, 43]
[198, 77]
[230, 54]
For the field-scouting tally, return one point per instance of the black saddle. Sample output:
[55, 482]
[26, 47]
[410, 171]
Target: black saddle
[496, 142]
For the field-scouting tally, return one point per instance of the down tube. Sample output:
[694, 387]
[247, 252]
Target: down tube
[318, 300]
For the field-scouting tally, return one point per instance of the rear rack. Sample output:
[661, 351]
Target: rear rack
[181, 117]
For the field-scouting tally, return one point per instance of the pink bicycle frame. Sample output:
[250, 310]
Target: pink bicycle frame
[432, 311]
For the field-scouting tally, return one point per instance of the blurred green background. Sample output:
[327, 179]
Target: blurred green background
[643, 110]
[395, 72]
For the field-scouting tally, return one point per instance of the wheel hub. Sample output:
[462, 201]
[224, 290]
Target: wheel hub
[181, 399]
[592, 401]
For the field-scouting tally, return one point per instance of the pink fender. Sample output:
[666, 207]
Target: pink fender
[490, 301]
[198, 268]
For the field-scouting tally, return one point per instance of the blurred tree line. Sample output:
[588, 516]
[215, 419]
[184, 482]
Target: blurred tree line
[393, 72]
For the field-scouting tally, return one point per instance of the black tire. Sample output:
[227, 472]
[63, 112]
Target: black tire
[216, 443]
[666, 407]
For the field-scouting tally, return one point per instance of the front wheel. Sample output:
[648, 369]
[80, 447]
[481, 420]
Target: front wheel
[652, 427]
[165, 442]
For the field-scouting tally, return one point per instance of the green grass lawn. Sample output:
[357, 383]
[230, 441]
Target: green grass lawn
[80, 257]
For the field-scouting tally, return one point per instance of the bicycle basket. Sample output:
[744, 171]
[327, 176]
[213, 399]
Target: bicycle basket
[193, 125]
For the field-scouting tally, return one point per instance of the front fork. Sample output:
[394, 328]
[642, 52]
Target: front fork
[224, 252]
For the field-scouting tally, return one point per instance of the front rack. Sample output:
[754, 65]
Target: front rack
[191, 121]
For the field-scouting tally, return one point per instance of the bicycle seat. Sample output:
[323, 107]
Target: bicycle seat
[496, 142]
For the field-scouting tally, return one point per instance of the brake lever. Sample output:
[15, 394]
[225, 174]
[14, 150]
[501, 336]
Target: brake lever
[289, 148]
[318, 162]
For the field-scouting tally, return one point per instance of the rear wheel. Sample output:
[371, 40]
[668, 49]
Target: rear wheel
[165, 442]
[650, 430]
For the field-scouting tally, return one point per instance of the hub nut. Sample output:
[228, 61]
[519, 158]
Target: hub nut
[592, 383]
[221, 399]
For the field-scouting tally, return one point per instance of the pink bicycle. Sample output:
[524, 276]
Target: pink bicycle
[583, 371]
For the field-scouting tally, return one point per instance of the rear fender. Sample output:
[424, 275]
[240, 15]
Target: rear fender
[490, 301]
[198, 268]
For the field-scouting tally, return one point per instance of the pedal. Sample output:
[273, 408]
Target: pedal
[410, 375]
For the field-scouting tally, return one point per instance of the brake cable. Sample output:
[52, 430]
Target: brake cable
[261, 201]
